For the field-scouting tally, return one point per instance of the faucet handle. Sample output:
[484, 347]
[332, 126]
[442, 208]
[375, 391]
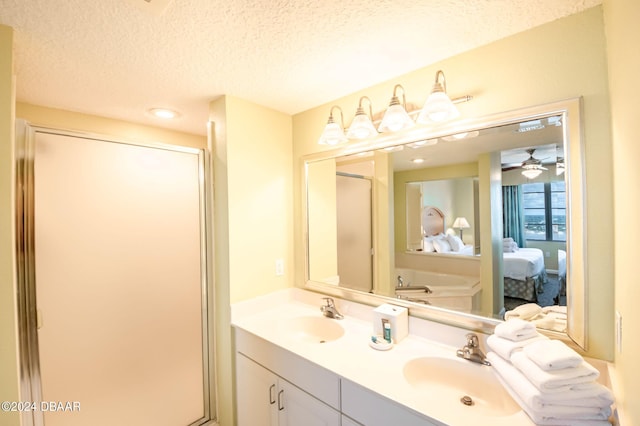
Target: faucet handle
[329, 302]
[472, 340]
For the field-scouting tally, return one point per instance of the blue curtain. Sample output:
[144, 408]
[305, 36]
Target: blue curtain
[513, 214]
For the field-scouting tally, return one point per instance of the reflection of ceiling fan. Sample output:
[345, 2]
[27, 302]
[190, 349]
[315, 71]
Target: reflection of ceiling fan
[532, 167]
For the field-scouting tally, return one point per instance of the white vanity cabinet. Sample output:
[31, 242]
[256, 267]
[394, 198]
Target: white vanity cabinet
[371, 409]
[266, 399]
[265, 390]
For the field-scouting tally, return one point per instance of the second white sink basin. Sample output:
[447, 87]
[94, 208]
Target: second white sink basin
[454, 379]
[313, 329]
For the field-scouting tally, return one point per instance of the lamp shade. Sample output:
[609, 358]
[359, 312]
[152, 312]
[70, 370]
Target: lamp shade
[438, 106]
[361, 127]
[332, 134]
[461, 223]
[395, 118]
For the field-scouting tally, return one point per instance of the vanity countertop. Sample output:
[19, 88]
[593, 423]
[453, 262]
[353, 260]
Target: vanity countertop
[352, 358]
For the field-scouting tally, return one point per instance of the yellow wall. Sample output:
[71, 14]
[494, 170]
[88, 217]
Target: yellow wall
[560, 60]
[8, 337]
[624, 68]
[252, 162]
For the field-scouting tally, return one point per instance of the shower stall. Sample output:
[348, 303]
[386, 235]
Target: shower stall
[114, 281]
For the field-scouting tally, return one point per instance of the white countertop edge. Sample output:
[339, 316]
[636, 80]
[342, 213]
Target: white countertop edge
[438, 339]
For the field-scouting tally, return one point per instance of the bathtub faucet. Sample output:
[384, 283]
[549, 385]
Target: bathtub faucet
[471, 351]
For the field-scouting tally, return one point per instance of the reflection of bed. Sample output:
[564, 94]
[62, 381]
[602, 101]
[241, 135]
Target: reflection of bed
[524, 274]
[562, 272]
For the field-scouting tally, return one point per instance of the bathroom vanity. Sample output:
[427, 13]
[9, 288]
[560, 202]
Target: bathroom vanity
[293, 363]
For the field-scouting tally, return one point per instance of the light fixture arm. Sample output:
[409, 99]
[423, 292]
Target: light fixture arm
[394, 98]
[437, 85]
[360, 110]
[331, 120]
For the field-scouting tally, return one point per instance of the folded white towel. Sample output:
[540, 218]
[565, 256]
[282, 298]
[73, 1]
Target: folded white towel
[591, 395]
[531, 399]
[515, 329]
[553, 355]
[505, 347]
[508, 240]
[555, 380]
[524, 312]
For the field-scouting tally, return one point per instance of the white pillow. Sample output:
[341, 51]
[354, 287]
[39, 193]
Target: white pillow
[442, 245]
[455, 242]
[428, 245]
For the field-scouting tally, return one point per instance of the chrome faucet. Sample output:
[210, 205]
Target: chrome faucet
[400, 282]
[329, 310]
[471, 351]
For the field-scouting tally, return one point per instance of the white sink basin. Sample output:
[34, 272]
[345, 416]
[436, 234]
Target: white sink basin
[452, 379]
[314, 329]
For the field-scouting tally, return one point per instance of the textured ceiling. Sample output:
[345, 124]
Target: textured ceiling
[115, 59]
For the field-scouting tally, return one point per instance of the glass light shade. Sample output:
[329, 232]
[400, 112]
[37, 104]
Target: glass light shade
[438, 107]
[332, 134]
[361, 127]
[395, 118]
[531, 173]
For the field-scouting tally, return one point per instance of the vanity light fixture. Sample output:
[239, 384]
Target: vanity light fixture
[164, 113]
[333, 133]
[461, 223]
[396, 116]
[438, 106]
[362, 124]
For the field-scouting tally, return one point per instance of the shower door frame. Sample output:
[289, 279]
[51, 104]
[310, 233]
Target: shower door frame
[30, 380]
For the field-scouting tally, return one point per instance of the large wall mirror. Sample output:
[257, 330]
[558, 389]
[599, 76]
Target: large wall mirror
[465, 223]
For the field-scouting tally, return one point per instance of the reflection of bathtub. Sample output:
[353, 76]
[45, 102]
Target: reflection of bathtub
[459, 292]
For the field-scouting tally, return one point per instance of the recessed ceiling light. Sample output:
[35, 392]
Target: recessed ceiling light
[164, 113]
[417, 160]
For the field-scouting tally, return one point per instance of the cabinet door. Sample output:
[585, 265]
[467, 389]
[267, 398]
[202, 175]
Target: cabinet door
[372, 409]
[297, 407]
[256, 393]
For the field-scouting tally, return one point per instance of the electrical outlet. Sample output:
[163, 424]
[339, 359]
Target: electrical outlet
[279, 267]
[618, 332]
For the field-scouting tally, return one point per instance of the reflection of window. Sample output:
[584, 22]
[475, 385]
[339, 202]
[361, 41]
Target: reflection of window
[545, 212]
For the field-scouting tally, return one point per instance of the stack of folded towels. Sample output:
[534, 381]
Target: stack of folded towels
[509, 245]
[548, 317]
[552, 383]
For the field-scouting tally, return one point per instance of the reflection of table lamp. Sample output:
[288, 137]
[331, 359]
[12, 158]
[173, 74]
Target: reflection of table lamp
[461, 223]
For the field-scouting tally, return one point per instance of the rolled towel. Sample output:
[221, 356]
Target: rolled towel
[524, 312]
[564, 412]
[553, 355]
[556, 380]
[505, 347]
[516, 329]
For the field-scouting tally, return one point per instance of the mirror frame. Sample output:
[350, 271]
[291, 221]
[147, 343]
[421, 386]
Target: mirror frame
[571, 112]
